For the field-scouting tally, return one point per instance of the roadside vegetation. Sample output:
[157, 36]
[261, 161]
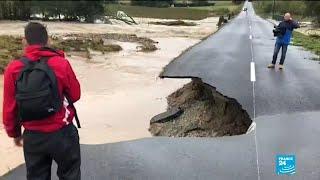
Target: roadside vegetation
[300, 10]
[192, 13]
[296, 8]
[309, 42]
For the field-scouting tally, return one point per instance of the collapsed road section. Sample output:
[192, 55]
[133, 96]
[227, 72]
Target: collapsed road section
[198, 110]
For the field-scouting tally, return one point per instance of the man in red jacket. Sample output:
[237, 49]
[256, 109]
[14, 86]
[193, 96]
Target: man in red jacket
[55, 137]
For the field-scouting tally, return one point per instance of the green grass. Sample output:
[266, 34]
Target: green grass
[192, 13]
[220, 5]
[311, 42]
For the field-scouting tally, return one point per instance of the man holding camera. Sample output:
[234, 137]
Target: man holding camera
[283, 32]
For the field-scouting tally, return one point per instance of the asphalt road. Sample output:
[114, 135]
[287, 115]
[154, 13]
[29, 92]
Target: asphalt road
[284, 105]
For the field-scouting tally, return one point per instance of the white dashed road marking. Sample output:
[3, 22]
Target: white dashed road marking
[252, 72]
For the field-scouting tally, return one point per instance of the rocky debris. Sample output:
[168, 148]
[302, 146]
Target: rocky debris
[206, 113]
[167, 116]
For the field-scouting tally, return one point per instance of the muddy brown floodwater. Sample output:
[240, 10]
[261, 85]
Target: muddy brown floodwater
[121, 91]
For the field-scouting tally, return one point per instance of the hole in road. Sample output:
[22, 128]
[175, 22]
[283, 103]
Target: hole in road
[198, 110]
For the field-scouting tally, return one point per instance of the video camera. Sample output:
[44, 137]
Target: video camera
[277, 31]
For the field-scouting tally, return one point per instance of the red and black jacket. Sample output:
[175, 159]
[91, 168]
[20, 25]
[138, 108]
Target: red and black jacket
[67, 84]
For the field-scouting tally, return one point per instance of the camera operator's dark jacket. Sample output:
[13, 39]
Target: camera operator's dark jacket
[286, 28]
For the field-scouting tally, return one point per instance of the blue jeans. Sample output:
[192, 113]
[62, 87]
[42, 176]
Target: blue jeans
[277, 47]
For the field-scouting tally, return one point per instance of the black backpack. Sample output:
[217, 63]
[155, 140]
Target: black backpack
[37, 92]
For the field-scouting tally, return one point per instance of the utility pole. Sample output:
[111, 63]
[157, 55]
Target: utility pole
[273, 7]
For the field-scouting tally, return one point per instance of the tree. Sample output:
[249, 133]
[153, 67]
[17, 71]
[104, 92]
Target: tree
[237, 1]
[313, 10]
[90, 10]
[15, 10]
[66, 10]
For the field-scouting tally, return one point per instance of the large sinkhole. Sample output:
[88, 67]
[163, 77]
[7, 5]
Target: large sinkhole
[198, 110]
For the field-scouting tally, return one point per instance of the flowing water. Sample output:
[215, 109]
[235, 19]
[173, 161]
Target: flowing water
[121, 91]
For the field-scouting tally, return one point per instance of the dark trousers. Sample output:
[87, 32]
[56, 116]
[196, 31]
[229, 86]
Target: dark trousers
[276, 52]
[62, 146]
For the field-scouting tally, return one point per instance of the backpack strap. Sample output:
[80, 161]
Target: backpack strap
[50, 72]
[25, 60]
[75, 111]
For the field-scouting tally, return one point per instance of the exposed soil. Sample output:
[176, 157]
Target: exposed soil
[206, 113]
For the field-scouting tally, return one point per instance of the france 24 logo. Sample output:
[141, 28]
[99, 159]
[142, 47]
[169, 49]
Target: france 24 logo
[285, 164]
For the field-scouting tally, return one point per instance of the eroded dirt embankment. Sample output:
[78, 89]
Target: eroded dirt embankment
[198, 110]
